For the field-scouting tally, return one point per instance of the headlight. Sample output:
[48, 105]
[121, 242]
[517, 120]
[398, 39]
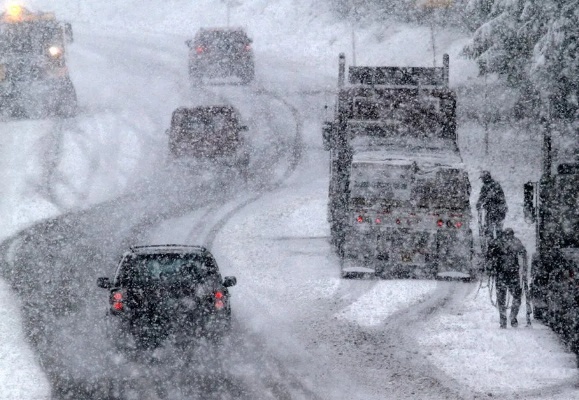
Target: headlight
[55, 51]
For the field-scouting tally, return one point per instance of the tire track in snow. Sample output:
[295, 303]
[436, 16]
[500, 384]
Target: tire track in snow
[50, 247]
[286, 384]
[45, 248]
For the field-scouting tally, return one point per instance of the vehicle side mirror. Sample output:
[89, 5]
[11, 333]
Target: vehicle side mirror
[229, 281]
[529, 209]
[189, 43]
[327, 129]
[68, 38]
[250, 40]
[104, 283]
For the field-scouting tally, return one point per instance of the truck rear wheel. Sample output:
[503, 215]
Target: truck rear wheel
[195, 77]
[67, 106]
[338, 239]
[247, 75]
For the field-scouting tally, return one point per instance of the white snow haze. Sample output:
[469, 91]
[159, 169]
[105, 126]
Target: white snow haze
[302, 331]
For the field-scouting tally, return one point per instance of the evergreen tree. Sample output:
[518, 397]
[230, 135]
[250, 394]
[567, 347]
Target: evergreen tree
[478, 12]
[532, 44]
[555, 64]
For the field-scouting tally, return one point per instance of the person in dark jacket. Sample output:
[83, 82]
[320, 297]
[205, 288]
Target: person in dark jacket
[492, 201]
[508, 263]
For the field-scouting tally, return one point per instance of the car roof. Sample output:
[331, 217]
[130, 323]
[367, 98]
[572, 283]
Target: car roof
[237, 29]
[169, 249]
[206, 110]
[220, 34]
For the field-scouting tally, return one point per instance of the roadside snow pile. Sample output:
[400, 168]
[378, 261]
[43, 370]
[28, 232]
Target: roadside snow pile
[385, 299]
[468, 345]
[23, 379]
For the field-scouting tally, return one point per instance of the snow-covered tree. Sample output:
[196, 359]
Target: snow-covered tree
[555, 63]
[478, 12]
[533, 45]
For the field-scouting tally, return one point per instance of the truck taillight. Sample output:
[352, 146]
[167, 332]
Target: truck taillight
[360, 219]
[378, 221]
[117, 299]
[449, 224]
[219, 304]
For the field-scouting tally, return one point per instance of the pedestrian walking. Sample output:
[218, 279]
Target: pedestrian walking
[508, 264]
[492, 209]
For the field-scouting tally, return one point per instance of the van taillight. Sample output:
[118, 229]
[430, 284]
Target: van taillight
[219, 300]
[117, 301]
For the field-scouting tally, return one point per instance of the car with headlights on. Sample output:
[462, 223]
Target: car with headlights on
[34, 77]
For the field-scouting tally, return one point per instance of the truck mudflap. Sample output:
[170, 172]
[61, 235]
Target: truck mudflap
[454, 255]
[409, 253]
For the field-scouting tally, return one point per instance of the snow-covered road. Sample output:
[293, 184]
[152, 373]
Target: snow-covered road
[302, 332]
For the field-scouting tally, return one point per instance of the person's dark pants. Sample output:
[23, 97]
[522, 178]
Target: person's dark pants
[491, 229]
[514, 287]
[493, 226]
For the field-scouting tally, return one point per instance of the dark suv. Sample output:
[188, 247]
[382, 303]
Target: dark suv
[167, 291]
[209, 132]
[221, 52]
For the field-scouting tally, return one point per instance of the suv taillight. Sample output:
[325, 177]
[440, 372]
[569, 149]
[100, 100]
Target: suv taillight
[219, 300]
[117, 300]
[199, 49]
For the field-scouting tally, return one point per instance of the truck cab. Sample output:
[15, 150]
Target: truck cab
[34, 78]
[552, 204]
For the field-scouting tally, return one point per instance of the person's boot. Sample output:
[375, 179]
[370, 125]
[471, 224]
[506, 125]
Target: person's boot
[503, 323]
[514, 322]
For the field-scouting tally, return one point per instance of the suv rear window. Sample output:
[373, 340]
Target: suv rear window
[222, 39]
[203, 121]
[148, 269]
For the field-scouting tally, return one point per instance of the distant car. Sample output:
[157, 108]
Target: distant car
[168, 290]
[209, 132]
[221, 52]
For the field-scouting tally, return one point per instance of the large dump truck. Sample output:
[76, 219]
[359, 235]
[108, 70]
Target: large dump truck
[34, 79]
[552, 204]
[398, 192]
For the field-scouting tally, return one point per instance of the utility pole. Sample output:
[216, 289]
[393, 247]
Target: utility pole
[432, 5]
[486, 115]
[228, 5]
[228, 12]
[352, 26]
[432, 39]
